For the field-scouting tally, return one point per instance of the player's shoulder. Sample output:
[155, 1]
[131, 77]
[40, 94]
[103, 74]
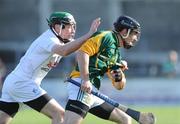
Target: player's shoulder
[48, 37]
[101, 33]
[108, 37]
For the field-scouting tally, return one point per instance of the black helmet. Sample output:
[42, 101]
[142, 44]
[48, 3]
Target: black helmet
[126, 22]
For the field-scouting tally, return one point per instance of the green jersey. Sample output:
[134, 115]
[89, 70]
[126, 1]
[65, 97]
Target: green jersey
[103, 50]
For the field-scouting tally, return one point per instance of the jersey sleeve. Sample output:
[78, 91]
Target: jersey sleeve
[91, 46]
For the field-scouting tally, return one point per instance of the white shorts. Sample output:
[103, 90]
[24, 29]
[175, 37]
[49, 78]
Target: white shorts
[75, 93]
[16, 89]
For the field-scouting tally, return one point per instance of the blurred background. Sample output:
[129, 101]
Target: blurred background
[154, 66]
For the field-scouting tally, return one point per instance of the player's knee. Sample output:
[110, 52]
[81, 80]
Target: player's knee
[53, 110]
[57, 116]
[126, 120]
[57, 113]
[3, 122]
[72, 118]
[120, 117]
[4, 119]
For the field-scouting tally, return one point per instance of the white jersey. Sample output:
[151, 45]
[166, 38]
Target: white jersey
[39, 59]
[23, 83]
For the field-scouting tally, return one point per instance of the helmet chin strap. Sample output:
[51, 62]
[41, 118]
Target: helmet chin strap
[127, 35]
[59, 37]
[125, 44]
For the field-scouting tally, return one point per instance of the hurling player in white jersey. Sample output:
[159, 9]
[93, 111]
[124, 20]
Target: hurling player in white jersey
[22, 85]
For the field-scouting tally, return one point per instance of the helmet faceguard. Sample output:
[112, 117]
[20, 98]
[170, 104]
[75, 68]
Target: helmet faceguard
[61, 18]
[126, 22]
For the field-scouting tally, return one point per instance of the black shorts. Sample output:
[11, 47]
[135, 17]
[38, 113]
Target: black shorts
[11, 108]
[103, 111]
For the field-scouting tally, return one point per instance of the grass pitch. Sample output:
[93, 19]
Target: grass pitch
[164, 115]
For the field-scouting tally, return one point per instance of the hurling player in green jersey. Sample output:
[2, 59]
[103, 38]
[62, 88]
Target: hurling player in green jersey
[96, 57]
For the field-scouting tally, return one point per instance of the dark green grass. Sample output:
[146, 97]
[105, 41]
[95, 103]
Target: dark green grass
[164, 114]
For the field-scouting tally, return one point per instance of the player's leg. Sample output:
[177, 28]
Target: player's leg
[75, 112]
[7, 111]
[72, 118]
[54, 111]
[77, 105]
[49, 107]
[120, 117]
[109, 112]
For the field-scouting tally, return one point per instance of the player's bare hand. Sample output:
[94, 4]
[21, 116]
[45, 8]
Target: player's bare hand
[86, 86]
[124, 65]
[94, 26]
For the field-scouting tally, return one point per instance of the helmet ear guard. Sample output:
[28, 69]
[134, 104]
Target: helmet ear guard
[127, 34]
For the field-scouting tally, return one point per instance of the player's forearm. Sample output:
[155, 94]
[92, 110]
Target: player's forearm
[83, 63]
[75, 45]
[70, 47]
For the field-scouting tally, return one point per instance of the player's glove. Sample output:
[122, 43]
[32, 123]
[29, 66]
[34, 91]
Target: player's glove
[124, 65]
[117, 77]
